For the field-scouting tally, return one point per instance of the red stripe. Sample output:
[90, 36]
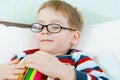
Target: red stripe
[100, 70]
[84, 60]
[89, 70]
[30, 51]
[67, 61]
[38, 76]
[75, 51]
[92, 77]
[12, 59]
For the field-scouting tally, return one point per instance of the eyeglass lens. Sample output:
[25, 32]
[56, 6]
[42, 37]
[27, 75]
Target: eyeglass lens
[51, 28]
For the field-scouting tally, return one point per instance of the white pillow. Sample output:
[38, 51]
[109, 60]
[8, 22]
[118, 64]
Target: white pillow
[13, 40]
[100, 37]
[109, 63]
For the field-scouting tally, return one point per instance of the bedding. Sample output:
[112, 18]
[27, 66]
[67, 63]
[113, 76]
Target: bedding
[101, 37]
[14, 38]
[109, 63]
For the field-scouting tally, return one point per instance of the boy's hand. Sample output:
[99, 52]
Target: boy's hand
[47, 64]
[11, 70]
[43, 62]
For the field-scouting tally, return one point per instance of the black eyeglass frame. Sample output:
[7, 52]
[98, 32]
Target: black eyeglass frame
[65, 28]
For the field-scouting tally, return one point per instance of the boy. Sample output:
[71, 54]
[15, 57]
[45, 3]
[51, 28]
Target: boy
[57, 30]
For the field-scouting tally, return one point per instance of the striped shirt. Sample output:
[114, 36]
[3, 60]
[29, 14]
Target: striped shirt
[85, 68]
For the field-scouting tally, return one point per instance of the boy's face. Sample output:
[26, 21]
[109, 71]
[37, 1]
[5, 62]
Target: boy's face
[54, 43]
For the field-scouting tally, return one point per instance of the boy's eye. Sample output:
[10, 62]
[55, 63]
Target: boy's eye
[54, 27]
[38, 27]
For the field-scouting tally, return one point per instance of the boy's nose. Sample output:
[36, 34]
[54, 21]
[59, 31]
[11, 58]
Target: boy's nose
[44, 31]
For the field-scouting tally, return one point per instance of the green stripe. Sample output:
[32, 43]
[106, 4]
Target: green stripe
[27, 77]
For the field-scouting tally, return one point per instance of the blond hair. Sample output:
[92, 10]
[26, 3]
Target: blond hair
[75, 20]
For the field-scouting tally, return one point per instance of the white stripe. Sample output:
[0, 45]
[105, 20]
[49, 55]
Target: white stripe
[77, 55]
[88, 77]
[87, 64]
[22, 54]
[97, 73]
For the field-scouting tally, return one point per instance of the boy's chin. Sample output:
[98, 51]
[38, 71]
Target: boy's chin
[47, 49]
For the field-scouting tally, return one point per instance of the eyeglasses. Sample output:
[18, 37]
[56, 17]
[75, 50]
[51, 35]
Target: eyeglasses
[52, 28]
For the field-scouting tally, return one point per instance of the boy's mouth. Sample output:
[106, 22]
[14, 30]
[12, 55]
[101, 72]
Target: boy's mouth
[46, 40]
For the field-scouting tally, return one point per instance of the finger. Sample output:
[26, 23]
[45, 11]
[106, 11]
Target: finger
[17, 66]
[13, 77]
[30, 65]
[30, 59]
[9, 77]
[15, 61]
[20, 66]
[20, 71]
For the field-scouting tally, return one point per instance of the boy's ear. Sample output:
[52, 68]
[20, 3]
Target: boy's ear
[75, 37]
